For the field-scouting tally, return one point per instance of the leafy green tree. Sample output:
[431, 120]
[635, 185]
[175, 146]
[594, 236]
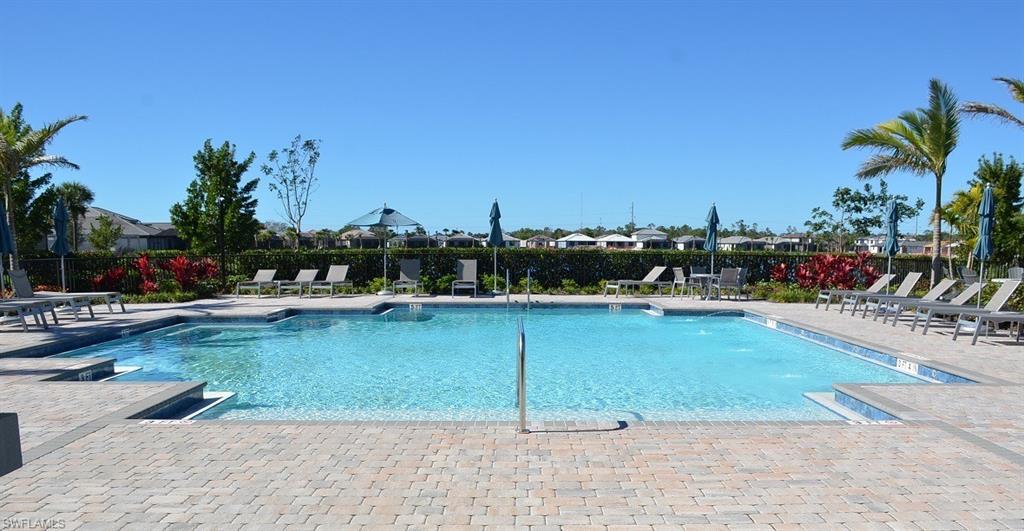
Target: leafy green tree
[1008, 228]
[857, 213]
[292, 173]
[219, 211]
[77, 198]
[35, 198]
[918, 142]
[21, 149]
[103, 235]
[1016, 88]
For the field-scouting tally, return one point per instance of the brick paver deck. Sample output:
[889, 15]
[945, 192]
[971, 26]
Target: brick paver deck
[957, 465]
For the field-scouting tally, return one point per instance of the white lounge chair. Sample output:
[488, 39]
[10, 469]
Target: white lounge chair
[72, 301]
[982, 321]
[465, 276]
[995, 304]
[264, 278]
[336, 277]
[18, 310]
[304, 278]
[650, 280]
[886, 305]
[827, 294]
[856, 299]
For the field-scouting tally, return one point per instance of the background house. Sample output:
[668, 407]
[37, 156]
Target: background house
[616, 241]
[540, 241]
[739, 243]
[461, 240]
[575, 240]
[359, 239]
[651, 239]
[136, 235]
[684, 243]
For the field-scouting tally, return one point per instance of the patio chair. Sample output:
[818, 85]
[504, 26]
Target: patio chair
[827, 294]
[650, 280]
[694, 282]
[856, 299]
[679, 279]
[408, 276]
[336, 276]
[995, 304]
[733, 278]
[894, 305]
[985, 321]
[304, 278]
[1015, 273]
[264, 278]
[19, 310]
[465, 276]
[969, 276]
[72, 301]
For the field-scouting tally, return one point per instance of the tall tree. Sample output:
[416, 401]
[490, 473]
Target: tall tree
[35, 198]
[918, 142]
[219, 212]
[77, 198]
[1016, 88]
[292, 173]
[103, 234]
[21, 149]
[962, 210]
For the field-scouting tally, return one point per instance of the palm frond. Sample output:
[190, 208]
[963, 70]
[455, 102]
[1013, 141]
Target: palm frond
[35, 141]
[1016, 87]
[55, 161]
[974, 108]
[874, 138]
[881, 164]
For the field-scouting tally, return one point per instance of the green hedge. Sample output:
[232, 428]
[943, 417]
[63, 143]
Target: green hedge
[550, 267]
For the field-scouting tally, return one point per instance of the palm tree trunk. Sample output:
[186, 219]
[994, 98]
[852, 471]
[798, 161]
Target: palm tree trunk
[10, 223]
[937, 233]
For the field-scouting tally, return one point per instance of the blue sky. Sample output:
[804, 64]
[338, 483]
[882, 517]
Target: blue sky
[564, 111]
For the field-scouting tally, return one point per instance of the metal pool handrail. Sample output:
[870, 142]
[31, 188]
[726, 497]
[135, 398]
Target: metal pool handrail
[521, 379]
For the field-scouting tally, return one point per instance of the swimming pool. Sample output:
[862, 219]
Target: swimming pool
[459, 364]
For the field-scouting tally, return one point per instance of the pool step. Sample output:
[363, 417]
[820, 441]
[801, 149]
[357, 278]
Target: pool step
[828, 401]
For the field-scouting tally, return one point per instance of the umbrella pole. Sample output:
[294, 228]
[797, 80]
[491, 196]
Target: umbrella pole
[496, 271]
[3, 289]
[981, 278]
[888, 271]
[63, 285]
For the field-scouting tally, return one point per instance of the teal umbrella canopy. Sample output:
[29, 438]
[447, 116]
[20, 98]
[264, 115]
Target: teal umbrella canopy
[60, 228]
[986, 219]
[6, 242]
[892, 221]
[496, 238]
[711, 239]
[383, 217]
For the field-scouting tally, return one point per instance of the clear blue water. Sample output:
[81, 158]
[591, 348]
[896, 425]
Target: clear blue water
[583, 364]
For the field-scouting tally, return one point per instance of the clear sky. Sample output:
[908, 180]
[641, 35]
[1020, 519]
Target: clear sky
[564, 111]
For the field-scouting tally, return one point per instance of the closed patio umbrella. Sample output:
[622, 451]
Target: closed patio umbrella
[711, 238]
[892, 243]
[6, 245]
[384, 217]
[60, 241]
[496, 239]
[986, 219]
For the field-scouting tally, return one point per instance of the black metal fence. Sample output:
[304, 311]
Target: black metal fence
[549, 267]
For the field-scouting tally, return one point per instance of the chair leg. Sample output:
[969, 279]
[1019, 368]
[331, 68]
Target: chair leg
[974, 340]
[927, 322]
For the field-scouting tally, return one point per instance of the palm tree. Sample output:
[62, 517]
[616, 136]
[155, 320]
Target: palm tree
[77, 198]
[919, 142]
[962, 214]
[1016, 88]
[22, 148]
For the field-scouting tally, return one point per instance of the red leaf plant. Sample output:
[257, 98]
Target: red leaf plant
[828, 271]
[187, 273]
[109, 281]
[147, 272]
[780, 273]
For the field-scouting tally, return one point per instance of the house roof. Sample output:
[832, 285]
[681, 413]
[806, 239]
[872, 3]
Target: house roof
[460, 236]
[576, 237]
[509, 238]
[129, 226]
[647, 234]
[687, 239]
[355, 234]
[733, 240]
[615, 237]
[540, 238]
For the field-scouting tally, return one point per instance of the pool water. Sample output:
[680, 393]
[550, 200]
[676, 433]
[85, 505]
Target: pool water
[459, 364]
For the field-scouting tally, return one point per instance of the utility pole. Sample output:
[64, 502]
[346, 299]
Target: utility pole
[632, 215]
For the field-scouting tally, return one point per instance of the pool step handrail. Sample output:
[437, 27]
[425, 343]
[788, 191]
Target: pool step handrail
[521, 378]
